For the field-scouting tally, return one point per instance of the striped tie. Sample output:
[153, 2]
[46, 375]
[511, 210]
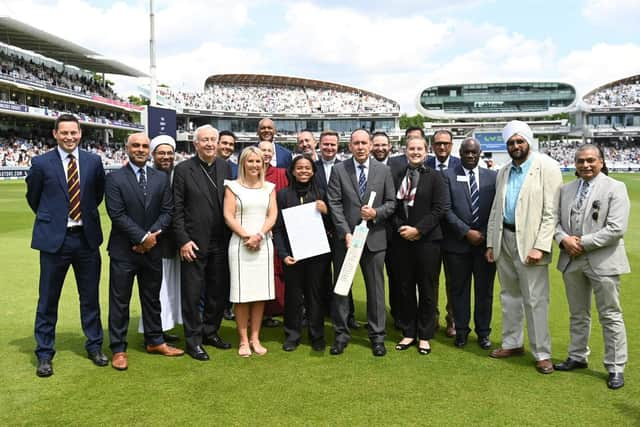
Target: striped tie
[73, 183]
[362, 181]
[475, 197]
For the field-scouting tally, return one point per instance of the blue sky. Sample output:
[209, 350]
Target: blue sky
[392, 48]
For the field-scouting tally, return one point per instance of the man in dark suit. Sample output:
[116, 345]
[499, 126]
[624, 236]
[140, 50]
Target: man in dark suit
[350, 185]
[203, 239]
[442, 143]
[64, 188]
[471, 191]
[267, 132]
[139, 203]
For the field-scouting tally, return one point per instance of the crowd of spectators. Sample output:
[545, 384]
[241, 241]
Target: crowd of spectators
[18, 67]
[621, 154]
[622, 95]
[277, 99]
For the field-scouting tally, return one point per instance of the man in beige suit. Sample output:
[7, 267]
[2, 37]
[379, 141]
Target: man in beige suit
[519, 239]
[594, 213]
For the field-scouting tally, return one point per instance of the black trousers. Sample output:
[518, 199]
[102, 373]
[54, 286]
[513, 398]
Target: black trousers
[394, 288]
[207, 276]
[304, 285]
[462, 268]
[86, 263]
[148, 271]
[447, 283]
[416, 264]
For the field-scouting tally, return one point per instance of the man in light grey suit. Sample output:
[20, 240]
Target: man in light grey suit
[594, 213]
[519, 239]
[350, 185]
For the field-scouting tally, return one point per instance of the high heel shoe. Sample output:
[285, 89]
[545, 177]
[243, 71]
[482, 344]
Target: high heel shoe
[258, 348]
[424, 350]
[403, 346]
[244, 350]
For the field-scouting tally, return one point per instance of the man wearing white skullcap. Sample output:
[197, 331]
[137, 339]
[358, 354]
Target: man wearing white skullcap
[163, 154]
[519, 239]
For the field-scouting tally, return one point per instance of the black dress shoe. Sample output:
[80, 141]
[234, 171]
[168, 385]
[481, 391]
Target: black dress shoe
[45, 368]
[401, 347]
[460, 341]
[270, 322]
[228, 314]
[319, 345]
[98, 358]
[198, 352]
[217, 342]
[569, 365]
[170, 337]
[337, 348]
[616, 380]
[484, 343]
[378, 349]
[353, 324]
[424, 350]
[289, 345]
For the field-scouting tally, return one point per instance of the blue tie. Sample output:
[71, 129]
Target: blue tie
[475, 198]
[362, 181]
[143, 181]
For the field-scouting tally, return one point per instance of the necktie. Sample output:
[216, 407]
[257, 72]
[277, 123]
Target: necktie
[143, 181]
[73, 183]
[475, 197]
[582, 195]
[362, 181]
[441, 167]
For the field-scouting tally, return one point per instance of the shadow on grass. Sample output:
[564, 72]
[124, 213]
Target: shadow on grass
[632, 412]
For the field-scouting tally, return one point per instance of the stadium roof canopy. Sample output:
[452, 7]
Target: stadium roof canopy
[19, 34]
[269, 80]
[626, 80]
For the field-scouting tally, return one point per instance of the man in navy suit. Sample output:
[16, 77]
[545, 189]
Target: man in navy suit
[471, 190]
[139, 203]
[442, 143]
[64, 188]
[267, 132]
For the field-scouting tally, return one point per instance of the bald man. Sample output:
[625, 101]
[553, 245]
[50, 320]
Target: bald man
[139, 203]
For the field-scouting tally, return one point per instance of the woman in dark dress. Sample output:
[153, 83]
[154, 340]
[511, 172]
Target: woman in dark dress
[303, 278]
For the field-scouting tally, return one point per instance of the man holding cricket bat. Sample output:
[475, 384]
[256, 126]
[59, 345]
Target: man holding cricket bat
[350, 186]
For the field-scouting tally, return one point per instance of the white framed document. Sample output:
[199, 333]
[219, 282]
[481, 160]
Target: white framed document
[306, 232]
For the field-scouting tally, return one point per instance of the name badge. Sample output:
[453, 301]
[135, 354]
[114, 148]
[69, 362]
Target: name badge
[463, 178]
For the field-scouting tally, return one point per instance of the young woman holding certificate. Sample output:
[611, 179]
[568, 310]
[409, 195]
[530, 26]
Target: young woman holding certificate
[303, 278]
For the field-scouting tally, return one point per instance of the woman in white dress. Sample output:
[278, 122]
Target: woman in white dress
[250, 211]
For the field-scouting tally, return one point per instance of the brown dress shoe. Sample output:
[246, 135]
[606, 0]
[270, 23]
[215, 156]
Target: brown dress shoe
[165, 350]
[544, 366]
[451, 328]
[119, 361]
[501, 353]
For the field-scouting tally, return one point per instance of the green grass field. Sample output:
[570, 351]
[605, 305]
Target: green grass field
[448, 387]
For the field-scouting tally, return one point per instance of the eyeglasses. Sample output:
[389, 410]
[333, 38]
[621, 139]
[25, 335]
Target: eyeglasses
[596, 209]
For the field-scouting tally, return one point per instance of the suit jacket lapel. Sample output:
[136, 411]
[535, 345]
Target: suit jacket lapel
[56, 164]
[200, 180]
[351, 171]
[463, 185]
[132, 180]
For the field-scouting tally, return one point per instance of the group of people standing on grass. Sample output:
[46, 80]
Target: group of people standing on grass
[207, 233]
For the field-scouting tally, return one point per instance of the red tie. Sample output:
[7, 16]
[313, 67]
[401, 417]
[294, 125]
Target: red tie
[73, 184]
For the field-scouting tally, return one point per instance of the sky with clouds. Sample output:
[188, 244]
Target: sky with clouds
[395, 48]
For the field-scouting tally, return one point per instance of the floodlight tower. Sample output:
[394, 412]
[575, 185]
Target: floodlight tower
[152, 55]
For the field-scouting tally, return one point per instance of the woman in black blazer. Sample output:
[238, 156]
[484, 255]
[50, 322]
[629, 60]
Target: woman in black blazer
[304, 286]
[421, 203]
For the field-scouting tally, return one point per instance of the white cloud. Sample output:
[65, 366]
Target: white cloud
[603, 63]
[612, 13]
